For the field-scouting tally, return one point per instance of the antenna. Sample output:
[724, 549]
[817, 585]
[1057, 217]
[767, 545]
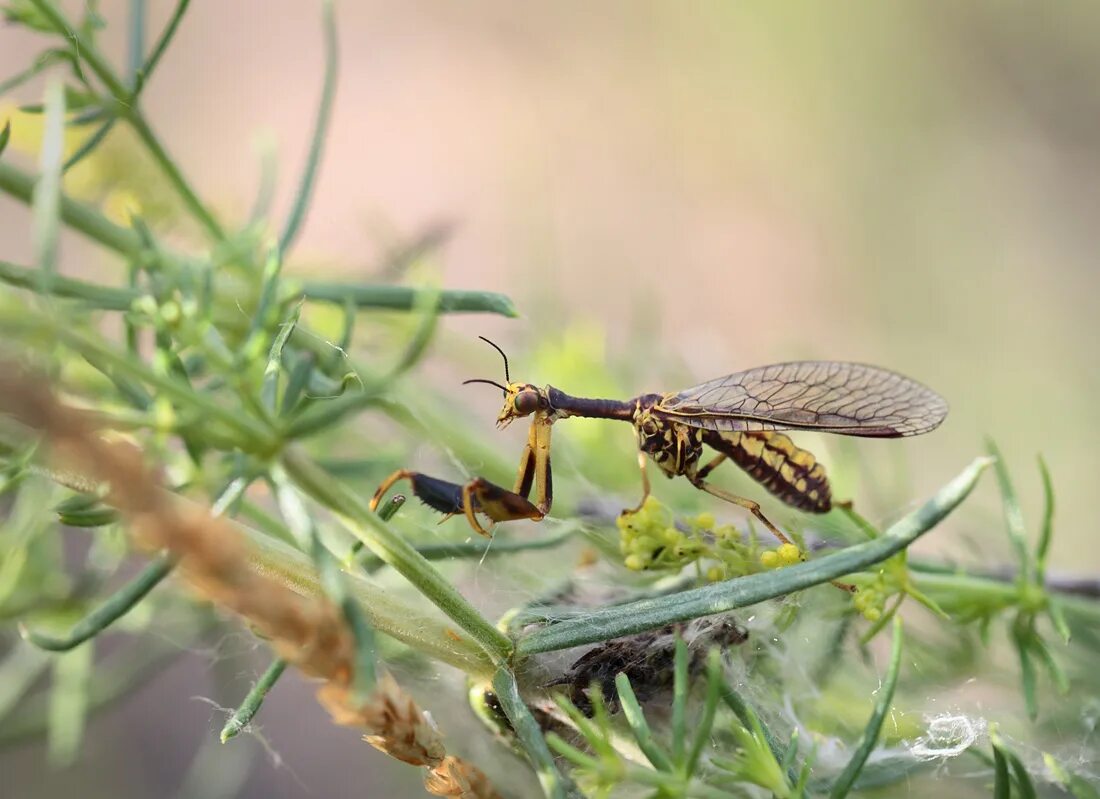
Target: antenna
[507, 376]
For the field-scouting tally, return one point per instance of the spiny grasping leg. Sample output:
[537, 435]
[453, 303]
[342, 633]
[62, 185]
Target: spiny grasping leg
[400, 474]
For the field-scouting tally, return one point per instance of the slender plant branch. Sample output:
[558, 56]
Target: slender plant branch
[885, 695]
[127, 243]
[252, 702]
[649, 614]
[107, 298]
[554, 784]
[162, 44]
[115, 607]
[125, 108]
[320, 132]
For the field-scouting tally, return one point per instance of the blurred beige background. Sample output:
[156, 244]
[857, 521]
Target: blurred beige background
[910, 184]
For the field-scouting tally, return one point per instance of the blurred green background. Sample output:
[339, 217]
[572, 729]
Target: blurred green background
[687, 190]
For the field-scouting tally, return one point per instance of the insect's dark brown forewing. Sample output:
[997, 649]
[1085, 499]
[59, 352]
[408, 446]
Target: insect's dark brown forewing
[850, 399]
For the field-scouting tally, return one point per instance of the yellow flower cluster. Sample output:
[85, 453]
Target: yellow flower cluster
[651, 540]
[870, 600]
[783, 555]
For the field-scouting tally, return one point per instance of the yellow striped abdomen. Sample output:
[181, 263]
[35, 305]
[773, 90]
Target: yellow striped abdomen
[790, 473]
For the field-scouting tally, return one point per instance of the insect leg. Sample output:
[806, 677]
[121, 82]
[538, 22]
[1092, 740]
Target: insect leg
[753, 508]
[525, 475]
[544, 478]
[710, 467]
[645, 485]
[499, 504]
[400, 474]
[468, 508]
[748, 504]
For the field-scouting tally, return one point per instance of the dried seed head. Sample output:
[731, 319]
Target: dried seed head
[456, 777]
[395, 724]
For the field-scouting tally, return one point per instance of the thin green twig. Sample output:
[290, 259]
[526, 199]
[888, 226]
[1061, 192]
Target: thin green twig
[161, 45]
[648, 614]
[108, 298]
[85, 50]
[113, 608]
[252, 702]
[554, 784]
[320, 131]
[867, 743]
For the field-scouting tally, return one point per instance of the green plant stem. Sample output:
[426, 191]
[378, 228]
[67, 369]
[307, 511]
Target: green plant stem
[135, 53]
[86, 219]
[639, 726]
[114, 608]
[847, 778]
[90, 144]
[649, 614]
[162, 43]
[1014, 518]
[106, 298]
[747, 716]
[386, 512]
[252, 702]
[391, 547]
[175, 176]
[320, 131]
[126, 109]
[477, 549]
[254, 435]
[401, 298]
[954, 591]
[77, 215]
[554, 784]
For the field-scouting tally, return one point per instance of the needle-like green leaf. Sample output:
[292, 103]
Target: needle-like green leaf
[1046, 528]
[1014, 517]
[111, 610]
[252, 702]
[867, 743]
[553, 783]
[320, 132]
[634, 716]
[648, 614]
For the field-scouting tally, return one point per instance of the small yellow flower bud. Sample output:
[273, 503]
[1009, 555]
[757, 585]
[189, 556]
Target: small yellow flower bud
[705, 521]
[715, 574]
[788, 554]
[872, 614]
[635, 562]
[769, 559]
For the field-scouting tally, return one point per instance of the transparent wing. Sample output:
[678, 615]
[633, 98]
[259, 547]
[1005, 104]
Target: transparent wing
[829, 396]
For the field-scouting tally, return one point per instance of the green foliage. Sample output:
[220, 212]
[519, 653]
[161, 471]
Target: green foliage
[234, 375]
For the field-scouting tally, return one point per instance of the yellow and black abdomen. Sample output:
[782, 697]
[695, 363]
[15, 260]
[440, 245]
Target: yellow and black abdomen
[790, 473]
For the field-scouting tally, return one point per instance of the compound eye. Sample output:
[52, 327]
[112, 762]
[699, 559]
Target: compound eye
[526, 402]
